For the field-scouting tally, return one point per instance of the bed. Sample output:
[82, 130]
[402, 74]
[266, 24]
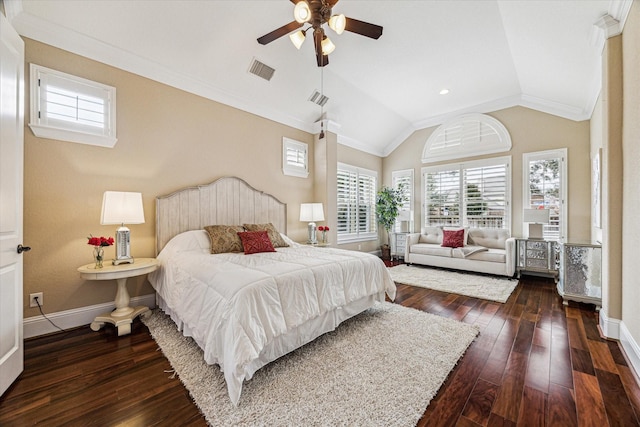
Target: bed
[245, 311]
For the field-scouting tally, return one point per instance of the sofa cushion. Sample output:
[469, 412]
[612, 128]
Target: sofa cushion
[431, 235]
[453, 238]
[489, 237]
[430, 249]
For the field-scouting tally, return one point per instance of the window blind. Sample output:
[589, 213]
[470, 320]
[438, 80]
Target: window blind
[356, 197]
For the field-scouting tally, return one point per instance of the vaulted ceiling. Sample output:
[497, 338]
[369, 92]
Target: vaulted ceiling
[489, 54]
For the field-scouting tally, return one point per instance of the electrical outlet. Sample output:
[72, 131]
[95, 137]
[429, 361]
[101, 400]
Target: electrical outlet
[32, 299]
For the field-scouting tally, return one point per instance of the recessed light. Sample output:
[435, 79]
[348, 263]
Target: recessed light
[444, 91]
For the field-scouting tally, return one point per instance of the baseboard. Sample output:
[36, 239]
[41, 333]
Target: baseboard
[609, 327]
[630, 347]
[38, 325]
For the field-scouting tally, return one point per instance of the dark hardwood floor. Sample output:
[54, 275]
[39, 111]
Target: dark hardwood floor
[534, 363]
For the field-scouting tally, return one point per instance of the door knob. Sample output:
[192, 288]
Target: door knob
[23, 249]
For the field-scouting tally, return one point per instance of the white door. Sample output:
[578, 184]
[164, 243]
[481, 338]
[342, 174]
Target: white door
[11, 169]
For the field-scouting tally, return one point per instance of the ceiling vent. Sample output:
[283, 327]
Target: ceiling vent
[261, 70]
[318, 98]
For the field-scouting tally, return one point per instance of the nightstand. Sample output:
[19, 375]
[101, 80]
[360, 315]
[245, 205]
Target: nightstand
[123, 315]
[398, 244]
[537, 257]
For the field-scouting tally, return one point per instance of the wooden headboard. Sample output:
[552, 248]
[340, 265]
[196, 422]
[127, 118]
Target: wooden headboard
[227, 201]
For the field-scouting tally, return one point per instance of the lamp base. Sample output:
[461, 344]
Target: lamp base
[311, 228]
[122, 261]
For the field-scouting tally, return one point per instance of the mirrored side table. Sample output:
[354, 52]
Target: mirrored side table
[581, 273]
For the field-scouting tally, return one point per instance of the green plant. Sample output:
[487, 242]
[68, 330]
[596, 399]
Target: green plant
[388, 204]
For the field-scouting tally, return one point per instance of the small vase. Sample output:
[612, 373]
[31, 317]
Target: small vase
[98, 256]
[324, 237]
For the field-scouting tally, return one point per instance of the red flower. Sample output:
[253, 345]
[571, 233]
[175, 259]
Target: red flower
[100, 241]
[326, 228]
[321, 228]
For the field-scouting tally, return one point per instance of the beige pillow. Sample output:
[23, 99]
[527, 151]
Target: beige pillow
[274, 234]
[224, 238]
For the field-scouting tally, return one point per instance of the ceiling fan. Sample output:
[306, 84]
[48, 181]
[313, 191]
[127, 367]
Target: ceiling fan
[317, 13]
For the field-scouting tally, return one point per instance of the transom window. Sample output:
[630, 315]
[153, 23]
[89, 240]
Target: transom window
[356, 204]
[295, 158]
[475, 194]
[71, 108]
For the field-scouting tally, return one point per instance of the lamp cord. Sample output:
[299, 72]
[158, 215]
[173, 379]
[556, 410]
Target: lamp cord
[45, 316]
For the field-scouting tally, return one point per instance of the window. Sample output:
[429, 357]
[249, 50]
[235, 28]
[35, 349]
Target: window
[295, 158]
[405, 178]
[70, 108]
[356, 204]
[475, 194]
[545, 186]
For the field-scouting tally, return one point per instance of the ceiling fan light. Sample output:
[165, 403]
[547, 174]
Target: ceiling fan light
[297, 38]
[327, 46]
[338, 23]
[302, 12]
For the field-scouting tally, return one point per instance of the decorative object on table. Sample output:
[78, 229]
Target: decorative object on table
[311, 212]
[324, 229]
[98, 244]
[388, 204]
[536, 219]
[122, 208]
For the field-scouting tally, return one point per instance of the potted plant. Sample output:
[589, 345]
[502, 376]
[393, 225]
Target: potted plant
[388, 204]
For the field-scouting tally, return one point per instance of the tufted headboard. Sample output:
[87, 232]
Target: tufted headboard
[228, 201]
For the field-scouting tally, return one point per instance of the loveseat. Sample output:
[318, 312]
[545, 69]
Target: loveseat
[483, 250]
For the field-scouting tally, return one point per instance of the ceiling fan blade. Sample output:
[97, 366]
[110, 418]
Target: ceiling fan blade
[277, 33]
[363, 28]
[321, 59]
[332, 3]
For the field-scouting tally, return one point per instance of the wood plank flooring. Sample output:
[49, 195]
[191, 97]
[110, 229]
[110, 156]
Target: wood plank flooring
[535, 363]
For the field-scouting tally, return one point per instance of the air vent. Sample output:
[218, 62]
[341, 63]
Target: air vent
[318, 98]
[261, 70]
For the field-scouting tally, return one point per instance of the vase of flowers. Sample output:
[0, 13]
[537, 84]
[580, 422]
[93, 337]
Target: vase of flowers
[324, 229]
[98, 244]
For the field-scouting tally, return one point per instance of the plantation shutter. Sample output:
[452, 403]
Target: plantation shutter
[404, 178]
[295, 158]
[442, 195]
[485, 196]
[356, 198]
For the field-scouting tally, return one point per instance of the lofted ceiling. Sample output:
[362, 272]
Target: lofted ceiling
[489, 54]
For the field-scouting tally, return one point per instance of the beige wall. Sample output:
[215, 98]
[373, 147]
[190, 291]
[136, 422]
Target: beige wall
[631, 173]
[530, 131]
[167, 139]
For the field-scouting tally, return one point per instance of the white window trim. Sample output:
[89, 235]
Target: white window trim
[358, 237]
[293, 170]
[41, 129]
[473, 164]
[564, 178]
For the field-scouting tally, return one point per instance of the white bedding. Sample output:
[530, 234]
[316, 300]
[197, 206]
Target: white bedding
[247, 310]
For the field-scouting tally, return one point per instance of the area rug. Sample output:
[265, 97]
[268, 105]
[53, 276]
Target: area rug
[380, 368]
[468, 284]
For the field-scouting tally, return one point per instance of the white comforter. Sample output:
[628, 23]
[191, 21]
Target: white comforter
[239, 307]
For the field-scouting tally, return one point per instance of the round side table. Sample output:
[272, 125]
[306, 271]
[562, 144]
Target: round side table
[123, 315]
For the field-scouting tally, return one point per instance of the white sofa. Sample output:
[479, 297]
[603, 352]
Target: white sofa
[487, 250]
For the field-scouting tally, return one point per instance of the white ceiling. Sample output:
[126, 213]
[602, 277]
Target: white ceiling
[490, 55]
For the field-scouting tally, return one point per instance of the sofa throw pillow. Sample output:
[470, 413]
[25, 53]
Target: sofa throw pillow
[255, 242]
[224, 238]
[465, 241]
[453, 238]
[274, 235]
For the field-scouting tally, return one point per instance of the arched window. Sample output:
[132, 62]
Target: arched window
[466, 136]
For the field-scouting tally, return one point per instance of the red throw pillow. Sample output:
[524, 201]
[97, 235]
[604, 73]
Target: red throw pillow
[453, 238]
[255, 242]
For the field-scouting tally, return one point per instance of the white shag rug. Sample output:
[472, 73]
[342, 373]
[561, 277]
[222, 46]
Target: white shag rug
[380, 368]
[468, 284]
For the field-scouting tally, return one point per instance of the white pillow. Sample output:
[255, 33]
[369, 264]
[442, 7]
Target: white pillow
[189, 241]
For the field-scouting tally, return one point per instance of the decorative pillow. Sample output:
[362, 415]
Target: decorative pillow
[224, 238]
[255, 242]
[274, 235]
[453, 238]
[466, 232]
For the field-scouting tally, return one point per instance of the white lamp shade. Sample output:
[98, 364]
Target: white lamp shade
[297, 38]
[122, 208]
[536, 216]
[327, 46]
[311, 212]
[302, 12]
[337, 23]
[404, 216]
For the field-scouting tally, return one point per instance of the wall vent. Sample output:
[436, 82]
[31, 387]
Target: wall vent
[318, 98]
[261, 70]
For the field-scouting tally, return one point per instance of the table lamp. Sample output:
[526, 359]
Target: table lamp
[122, 208]
[311, 212]
[536, 218]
